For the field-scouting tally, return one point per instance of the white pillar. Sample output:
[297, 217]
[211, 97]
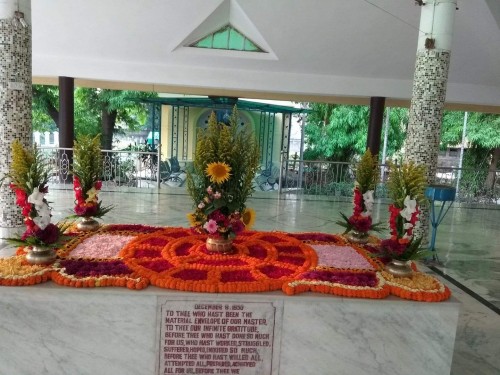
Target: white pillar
[437, 19]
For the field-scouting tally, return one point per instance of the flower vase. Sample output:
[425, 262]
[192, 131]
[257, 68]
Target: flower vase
[219, 245]
[41, 255]
[87, 224]
[399, 268]
[358, 237]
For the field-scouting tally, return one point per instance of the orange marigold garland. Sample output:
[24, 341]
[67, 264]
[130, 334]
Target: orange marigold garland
[420, 287]
[175, 258]
[262, 261]
[15, 271]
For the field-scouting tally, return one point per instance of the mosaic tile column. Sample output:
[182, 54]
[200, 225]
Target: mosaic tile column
[15, 106]
[429, 93]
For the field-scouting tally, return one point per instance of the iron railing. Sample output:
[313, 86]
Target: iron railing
[305, 177]
[139, 169]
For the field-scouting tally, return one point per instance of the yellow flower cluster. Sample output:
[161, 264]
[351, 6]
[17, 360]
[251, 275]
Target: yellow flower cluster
[15, 266]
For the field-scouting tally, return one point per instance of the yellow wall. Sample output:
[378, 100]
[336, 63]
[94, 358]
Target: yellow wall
[194, 116]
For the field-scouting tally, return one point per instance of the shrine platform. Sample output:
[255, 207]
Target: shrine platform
[49, 329]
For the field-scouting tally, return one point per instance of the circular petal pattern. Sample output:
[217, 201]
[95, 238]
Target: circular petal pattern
[261, 262]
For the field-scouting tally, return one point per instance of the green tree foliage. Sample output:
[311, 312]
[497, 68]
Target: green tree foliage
[483, 155]
[97, 111]
[45, 108]
[338, 132]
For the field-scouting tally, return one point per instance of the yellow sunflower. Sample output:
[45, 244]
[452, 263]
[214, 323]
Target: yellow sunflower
[248, 218]
[193, 220]
[218, 172]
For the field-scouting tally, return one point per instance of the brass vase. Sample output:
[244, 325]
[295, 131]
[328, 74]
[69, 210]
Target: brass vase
[87, 224]
[399, 268]
[358, 237]
[41, 255]
[219, 245]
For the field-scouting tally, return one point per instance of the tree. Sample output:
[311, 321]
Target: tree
[338, 132]
[96, 111]
[483, 134]
[113, 107]
[45, 108]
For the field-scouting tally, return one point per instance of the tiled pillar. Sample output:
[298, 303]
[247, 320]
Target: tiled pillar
[429, 92]
[15, 97]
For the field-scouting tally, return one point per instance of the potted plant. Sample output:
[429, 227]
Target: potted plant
[226, 160]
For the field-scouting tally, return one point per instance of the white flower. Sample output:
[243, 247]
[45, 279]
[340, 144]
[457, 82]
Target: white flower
[201, 205]
[43, 209]
[42, 221]
[368, 201]
[36, 198]
[209, 190]
[410, 208]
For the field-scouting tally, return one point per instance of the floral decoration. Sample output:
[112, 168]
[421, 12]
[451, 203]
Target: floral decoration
[262, 262]
[406, 185]
[87, 169]
[366, 179]
[420, 287]
[213, 216]
[14, 271]
[225, 162]
[29, 175]
[174, 258]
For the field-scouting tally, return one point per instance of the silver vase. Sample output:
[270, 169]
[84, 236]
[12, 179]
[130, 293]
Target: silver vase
[41, 255]
[87, 224]
[357, 237]
[399, 268]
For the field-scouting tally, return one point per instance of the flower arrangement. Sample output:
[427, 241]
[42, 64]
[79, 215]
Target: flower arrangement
[406, 186]
[366, 179]
[225, 162]
[29, 174]
[87, 168]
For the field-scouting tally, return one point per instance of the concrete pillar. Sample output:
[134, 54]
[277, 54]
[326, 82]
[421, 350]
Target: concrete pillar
[15, 95]
[377, 105]
[429, 91]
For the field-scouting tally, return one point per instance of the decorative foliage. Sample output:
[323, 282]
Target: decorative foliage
[87, 170]
[225, 163]
[28, 170]
[29, 174]
[406, 186]
[406, 179]
[367, 174]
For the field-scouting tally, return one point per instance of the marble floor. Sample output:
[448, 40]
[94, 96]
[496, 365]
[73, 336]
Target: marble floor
[467, 246]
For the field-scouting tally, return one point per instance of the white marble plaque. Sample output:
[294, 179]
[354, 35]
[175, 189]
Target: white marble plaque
[216, 337]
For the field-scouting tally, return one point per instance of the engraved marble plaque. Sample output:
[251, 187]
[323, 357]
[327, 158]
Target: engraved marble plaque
[220, 337]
